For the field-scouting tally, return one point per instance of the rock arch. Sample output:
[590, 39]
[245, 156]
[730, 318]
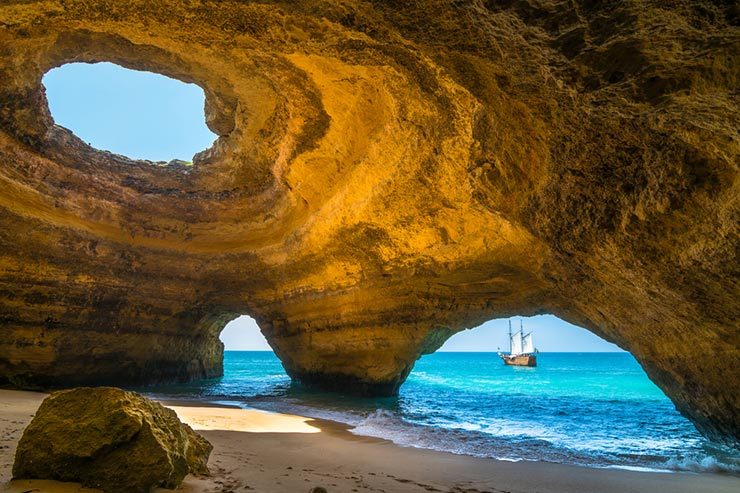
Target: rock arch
[385, 176]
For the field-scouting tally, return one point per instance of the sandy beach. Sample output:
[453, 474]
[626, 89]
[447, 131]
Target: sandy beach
[268, 452]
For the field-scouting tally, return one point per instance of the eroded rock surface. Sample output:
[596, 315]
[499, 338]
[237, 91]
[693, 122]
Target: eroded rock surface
[387, 174]
[109, 439]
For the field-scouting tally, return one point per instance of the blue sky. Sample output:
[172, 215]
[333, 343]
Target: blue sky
[138, 114]
[149, 116]
[550, 334]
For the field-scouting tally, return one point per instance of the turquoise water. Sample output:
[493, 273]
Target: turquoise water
[596, 409]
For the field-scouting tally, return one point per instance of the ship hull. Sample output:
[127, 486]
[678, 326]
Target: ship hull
[521, 360]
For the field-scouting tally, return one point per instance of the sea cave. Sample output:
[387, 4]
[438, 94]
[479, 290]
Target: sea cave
[383, 176]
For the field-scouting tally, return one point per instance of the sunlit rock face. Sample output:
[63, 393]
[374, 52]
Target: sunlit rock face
[387, 174]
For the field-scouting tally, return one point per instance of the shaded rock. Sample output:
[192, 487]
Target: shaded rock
[109, 439]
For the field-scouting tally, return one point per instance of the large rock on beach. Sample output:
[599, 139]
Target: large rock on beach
[107, 438]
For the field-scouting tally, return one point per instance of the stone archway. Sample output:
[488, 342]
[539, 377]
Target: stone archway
[377, 187]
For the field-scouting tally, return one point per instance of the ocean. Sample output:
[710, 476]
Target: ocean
[592, 409]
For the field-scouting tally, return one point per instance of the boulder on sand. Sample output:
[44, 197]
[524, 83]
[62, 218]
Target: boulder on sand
[109, 439]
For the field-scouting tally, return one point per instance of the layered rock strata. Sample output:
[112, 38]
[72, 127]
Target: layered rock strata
[386, 174]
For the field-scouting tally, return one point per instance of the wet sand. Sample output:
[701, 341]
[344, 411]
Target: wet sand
[267, 452]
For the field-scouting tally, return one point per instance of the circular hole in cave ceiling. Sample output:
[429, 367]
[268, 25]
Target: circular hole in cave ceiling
[140, 115]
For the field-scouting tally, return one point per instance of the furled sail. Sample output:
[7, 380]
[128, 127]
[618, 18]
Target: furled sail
[527, 343]
[516, 343]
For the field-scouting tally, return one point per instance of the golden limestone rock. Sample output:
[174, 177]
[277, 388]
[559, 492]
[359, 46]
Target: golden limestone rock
[386, 174]
[109, 439]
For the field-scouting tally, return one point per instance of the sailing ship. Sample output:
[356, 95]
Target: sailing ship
[521, 350]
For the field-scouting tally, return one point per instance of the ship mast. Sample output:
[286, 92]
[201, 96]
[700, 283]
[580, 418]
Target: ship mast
[510, 343]
[521, 334]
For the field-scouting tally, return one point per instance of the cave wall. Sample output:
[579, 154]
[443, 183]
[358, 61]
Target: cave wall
[386, 174]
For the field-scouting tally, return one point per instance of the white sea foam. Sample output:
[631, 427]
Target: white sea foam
[387, 425]
[639, 469]
[705, 464]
